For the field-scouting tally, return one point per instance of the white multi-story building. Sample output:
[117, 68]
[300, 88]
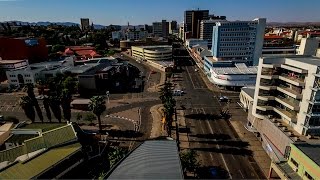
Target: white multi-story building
[117, 35]
[136, 35]
[152, 53]
[239, 41]
[308, 46]
[206, 30]
[286, 105]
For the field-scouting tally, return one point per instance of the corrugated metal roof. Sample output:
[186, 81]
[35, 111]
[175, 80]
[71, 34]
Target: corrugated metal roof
[155, 159]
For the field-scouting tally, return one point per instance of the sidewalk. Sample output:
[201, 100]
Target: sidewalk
[259, 155]
[156, 130]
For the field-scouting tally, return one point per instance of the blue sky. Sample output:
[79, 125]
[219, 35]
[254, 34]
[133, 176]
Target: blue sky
[108, 12]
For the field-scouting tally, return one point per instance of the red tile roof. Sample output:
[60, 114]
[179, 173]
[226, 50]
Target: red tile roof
[273, 37]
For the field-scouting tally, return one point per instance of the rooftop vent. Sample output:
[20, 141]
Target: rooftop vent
[310, 136]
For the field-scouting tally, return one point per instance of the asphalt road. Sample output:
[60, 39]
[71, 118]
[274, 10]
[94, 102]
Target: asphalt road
[212, 137]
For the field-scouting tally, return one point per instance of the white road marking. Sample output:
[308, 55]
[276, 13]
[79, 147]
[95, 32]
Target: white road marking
[7, 108]
[233, 157]
[241, 173]
[190, 78]
[224, 161]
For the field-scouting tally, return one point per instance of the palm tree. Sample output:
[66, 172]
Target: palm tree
[46, 104]
[97, 105]
[34, 100]
[26, 104]
[169, 103]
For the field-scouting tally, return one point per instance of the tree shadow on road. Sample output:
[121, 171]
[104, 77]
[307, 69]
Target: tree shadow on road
[239, 144]
[225, 150]
[212, 172]
[203, 116]
[213, 136]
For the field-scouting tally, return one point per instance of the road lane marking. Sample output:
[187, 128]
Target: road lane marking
[241, 173]
[224, 161]
[233, 157]
[7, 108]
[190, 77]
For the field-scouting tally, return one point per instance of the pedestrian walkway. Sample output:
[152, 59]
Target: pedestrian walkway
[260, 156]
[156, 130]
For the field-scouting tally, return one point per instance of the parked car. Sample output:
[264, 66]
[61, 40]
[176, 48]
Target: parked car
[178, 92]
[223, 99]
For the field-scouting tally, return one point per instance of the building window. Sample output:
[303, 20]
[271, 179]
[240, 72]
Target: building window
[308, 175]
[294, 162]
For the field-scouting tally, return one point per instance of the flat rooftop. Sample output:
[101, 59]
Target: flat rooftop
[39, 164]
[313, 60]
[240, 68]
[11, 61]
[249, 91]
[310, 150]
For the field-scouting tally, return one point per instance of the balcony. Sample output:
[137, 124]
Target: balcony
[290, 115]
[268, 73]
[292, 80]
[266, 98]
[294, 69]
[267, 86]
[264, 108]
[290, 92]
[284, 171]
[288, 102]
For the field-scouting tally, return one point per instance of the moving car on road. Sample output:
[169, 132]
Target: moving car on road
[223, 99]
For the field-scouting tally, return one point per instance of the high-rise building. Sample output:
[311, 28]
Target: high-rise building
[173, 27]
[85, 25]
[161, 29]
[165, 28]
[192, 19]
[286, 103]
[206, 30]
[136, 35]
[148, 28]
[238, 41]
[157, 29]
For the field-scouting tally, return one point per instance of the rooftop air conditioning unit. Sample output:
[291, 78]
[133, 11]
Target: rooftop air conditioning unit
[279, 124]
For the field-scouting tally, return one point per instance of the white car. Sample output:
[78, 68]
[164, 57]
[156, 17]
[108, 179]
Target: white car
[178, 92]
[196, 70]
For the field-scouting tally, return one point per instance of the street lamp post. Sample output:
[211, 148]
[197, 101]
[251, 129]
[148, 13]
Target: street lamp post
[108, 95]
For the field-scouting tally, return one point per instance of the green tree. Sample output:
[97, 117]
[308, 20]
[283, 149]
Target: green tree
[57, 48]
[34, 100]
[79, 117]
[90, 117]
[189, 160]
[97, 105]
[169, 103]
[26, 104]
[116, 154]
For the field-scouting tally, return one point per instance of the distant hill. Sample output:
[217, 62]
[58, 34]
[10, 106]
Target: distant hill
[293, 23]
[46, 23]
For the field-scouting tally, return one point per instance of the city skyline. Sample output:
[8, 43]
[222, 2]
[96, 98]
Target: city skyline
[146, 12]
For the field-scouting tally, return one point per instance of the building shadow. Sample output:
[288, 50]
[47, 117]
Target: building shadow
[124, 134]
[217, 136]
[227, 150]
[239, 144]
[212, 172]
[203, 116]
